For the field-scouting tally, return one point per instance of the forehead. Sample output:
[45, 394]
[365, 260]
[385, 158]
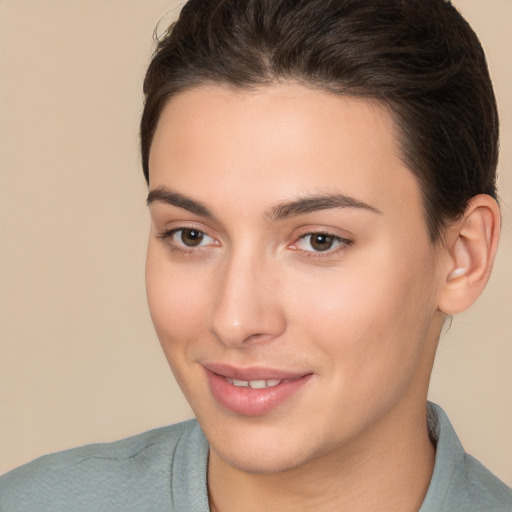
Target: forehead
[278, 141]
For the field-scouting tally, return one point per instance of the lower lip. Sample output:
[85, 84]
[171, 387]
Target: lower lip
[252, 402]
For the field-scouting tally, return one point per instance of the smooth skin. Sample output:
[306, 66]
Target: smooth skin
[353, 294]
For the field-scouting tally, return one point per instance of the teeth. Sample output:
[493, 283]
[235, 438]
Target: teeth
[257, 384]
[254, 384]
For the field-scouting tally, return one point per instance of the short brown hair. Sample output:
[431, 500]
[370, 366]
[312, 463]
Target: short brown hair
[419, 57]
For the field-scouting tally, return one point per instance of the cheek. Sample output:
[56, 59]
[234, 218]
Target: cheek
[371, 314]
[176, 299]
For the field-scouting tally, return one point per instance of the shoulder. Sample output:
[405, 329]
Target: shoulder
[130, 474]
[459, 482]
[484, 490]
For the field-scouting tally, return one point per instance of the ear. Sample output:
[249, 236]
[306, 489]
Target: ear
[470, 246]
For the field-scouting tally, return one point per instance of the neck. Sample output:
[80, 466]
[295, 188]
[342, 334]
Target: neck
[387, 465]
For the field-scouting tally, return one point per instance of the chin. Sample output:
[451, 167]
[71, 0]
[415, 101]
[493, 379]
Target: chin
[260, 448]
[260, 461]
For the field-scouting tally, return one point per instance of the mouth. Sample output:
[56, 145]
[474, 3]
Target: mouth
[254, 384]
[253, 391]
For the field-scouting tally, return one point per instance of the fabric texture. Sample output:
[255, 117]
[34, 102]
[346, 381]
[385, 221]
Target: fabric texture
[165, 470]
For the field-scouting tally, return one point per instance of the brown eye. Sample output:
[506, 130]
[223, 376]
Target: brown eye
[191, 237]
[321, 242]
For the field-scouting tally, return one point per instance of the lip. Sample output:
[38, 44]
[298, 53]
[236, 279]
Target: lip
[252, 402]
[251, 373]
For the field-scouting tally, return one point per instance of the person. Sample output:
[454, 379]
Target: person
[322, 190]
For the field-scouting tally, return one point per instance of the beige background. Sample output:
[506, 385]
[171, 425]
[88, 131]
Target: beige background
[79, 361]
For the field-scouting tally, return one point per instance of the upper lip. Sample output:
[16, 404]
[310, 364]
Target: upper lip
[253, 372]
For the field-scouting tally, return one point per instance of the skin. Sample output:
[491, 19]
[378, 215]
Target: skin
[362, 318]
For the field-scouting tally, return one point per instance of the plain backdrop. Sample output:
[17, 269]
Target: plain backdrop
[79, 361]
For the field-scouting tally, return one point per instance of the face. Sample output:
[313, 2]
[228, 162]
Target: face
[290, 275]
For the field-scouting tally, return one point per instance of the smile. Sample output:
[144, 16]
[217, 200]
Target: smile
[253, 391]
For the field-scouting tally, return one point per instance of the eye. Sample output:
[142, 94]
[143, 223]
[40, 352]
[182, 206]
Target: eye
[321, 242]
[187, 238]
[190, 237]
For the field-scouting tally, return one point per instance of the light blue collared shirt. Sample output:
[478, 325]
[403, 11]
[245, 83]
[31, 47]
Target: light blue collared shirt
[165, 470]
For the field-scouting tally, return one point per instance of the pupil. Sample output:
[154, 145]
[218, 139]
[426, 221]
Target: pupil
[321, 242]
[191, 237]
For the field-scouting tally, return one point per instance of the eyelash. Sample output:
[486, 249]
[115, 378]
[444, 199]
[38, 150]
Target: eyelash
[167, 238]
[344, 243]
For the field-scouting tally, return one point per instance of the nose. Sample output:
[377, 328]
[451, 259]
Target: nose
[248, 308]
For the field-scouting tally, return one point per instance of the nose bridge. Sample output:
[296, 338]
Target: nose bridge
[247, 305]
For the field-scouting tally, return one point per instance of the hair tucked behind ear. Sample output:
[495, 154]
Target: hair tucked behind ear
[418, 57]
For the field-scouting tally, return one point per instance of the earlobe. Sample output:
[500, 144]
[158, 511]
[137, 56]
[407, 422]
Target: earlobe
[471, 245]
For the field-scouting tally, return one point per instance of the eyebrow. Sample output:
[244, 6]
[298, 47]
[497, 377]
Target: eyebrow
[310, 204]
[300, 206]
[166, 196]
